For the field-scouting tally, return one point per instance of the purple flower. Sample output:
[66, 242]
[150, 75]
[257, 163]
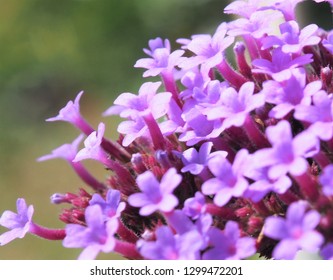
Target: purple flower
[199, 127]
[327, 251]
[169, 246]
[229, 181]
[288, 154]
[208, 49]
[328, 42]
[97, 236]
[195, 206]
[195, 162]
[162, 60]
[71, 113]
[293, 40]
[287, 8]
[242, 8]
[320, 115]
[262, 184]
[92, 146]
[19, 224]
[129, 105]
[289, 93]
[236, 106]
[228, 245]
[156, 195]
[296, 232]
[281, 64]
[257, 25]
[326, 180]
[133, 130]
[66, 151]
[111, 206]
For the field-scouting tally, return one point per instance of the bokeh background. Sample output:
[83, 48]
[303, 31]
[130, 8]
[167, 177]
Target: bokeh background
[51, 50]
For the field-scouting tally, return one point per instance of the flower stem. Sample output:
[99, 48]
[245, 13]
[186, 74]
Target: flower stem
[128, 250]
[47, 233]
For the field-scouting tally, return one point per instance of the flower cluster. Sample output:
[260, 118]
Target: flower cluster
[215, 161]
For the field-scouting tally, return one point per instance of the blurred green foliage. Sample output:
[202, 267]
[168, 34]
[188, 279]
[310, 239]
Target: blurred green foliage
[49, 51]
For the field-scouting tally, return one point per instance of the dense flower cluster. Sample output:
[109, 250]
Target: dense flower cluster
[217, 163]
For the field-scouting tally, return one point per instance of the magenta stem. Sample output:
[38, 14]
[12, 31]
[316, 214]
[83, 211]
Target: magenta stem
[307, 186]
[155, 132]
[254, 134]
[126, 234]
[47, 233]
[229, 74]
[222, 212]
[171, 86]
[128, 250]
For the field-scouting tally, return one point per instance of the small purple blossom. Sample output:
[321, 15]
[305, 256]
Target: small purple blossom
[71, 113]
[328, 42]
[327, 251]
[161, 59]
[288, 154]
[281, 64]
[229, 181]
[236, 106]
[97, 236]
[111, 206]
[129, 105]
[92, 146]
[229, 245]
[296, 232]
[290, 92]
[66, 151]
[18, 223]
[169, 246]
[195, 162]
[195, 206]
[292, 39]
[326, 180]
[319, 115]
[208, 50]
[156, 195]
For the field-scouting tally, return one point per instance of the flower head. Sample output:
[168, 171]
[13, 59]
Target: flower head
[95, 237]
[18, 223]
[295, 232]
[156, 195]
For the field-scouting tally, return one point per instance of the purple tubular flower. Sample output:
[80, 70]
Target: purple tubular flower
[280, 65]
[161, 59]
[111, 206]
[172, 247]
[195, 162]
[195, 206]
[71, 113]
[319, 115]
[129, 105]
[290, 92]
[208, 50]
[229, 181]
[326, 180]
[156, 195]
[97, 236]
[293, 40]
[92, 147]
[228, 245]
[327, 252]
[328, 43]
[236, 106]
[288, 154]
[66, 151]
[296, 232]
[19, 223]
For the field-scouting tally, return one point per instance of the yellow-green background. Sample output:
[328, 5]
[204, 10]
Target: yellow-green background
[49, 51]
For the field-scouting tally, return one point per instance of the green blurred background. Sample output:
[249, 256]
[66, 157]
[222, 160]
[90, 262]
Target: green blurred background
[49, 51]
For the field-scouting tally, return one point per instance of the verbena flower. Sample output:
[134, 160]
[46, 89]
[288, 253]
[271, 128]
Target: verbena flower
[229, 155]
